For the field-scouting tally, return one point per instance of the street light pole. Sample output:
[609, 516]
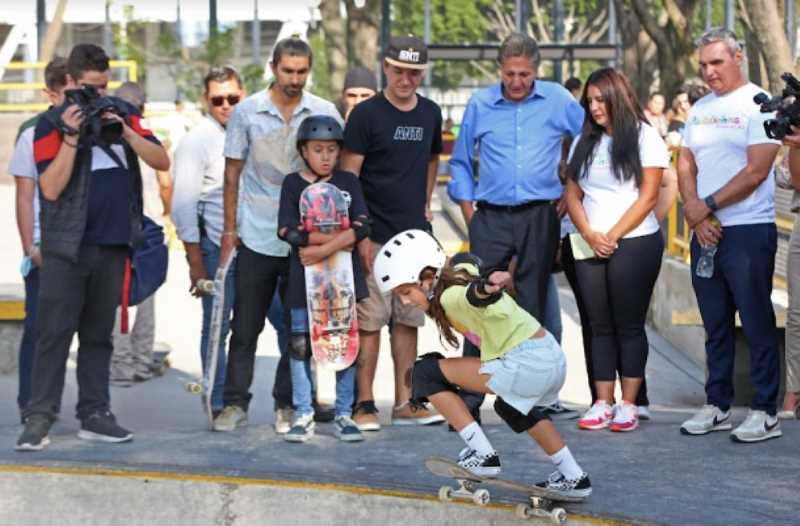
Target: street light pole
[427, 43]
[386, 31]
[41, 26]
[256, 34]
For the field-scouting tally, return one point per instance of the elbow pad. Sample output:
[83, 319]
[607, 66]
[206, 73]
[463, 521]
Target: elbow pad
[479, 287]
[297, 238]
[362, 227]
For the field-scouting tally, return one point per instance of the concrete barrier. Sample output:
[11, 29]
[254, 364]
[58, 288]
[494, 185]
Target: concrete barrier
[78, 496]
[12, 318]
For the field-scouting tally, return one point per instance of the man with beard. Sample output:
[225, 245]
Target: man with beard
[260, 150]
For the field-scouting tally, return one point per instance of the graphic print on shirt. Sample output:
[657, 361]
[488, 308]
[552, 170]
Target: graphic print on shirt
[409, 133]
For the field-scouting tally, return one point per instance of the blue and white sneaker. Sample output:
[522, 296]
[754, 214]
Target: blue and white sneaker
[347, 430]
[302, 428]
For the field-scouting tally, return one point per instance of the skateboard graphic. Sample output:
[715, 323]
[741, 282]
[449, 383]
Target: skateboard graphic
[540, 501]
[330, 290]
[206, 385]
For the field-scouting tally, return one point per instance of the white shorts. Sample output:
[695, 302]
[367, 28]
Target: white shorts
[531, 374]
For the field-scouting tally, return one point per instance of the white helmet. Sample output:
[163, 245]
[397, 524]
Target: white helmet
[404, 257]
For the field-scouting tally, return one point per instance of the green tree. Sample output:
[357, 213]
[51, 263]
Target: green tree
[452, 22]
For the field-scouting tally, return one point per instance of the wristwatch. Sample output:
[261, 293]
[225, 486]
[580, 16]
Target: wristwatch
[711, 203]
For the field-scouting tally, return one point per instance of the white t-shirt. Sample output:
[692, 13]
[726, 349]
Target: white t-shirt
[23, 165]
[718, 131]
[605, 197]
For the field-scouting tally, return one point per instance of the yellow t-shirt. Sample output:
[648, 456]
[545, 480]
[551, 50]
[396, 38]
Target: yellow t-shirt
[494, 329]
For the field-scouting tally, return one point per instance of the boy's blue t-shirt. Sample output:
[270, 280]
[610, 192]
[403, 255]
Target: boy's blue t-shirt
[289, 217]
[108, 219]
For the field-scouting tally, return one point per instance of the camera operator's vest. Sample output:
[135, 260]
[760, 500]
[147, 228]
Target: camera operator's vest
[63, 221]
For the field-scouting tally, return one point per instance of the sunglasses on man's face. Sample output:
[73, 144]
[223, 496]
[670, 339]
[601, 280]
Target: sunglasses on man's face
[219, 100]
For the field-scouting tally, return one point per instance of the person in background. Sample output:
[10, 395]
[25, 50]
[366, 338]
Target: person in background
[360, 84]
[132, 360]
[654, 111]
[23, 168]
[574, 86]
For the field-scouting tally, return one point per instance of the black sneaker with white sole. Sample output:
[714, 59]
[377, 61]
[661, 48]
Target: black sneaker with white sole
[34, 435]
[103, 427]
[480, 465]
[558, 483]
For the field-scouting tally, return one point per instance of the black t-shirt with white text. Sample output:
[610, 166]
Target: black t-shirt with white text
[397, 146]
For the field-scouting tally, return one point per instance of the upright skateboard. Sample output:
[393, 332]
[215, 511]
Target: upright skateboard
[540, 501]
[206, 386]
[330, 290]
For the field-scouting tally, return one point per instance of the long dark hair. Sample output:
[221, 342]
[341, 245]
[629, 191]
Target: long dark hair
[626, 117]
[448, 278]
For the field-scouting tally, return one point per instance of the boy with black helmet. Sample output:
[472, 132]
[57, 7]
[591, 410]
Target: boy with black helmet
[319, 141]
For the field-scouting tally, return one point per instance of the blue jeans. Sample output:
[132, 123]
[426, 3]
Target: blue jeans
[742, 280]
[302, 397]
[210, 253]
[28, 343]
[552, 310]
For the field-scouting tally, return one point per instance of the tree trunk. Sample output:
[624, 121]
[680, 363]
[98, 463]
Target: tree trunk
[638, 54]
[364, 30]
[768, 31]
[335, 43]
[672, 37]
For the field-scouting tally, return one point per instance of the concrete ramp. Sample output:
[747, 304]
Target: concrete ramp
[34, 495]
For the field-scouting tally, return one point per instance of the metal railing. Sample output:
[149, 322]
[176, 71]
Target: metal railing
[128, 66]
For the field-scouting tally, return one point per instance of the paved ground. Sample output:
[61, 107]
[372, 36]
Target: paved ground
[654, 475]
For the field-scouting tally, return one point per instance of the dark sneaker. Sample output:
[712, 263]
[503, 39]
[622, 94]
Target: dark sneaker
[481, 465]
[302, 428]
[558, 483]
[34, 435]
[365, 415]
[347, 430]
[103, 427]
[323, 413]
[557, 411]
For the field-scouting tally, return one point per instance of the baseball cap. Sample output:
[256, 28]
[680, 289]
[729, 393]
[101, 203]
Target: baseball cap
[406, 52]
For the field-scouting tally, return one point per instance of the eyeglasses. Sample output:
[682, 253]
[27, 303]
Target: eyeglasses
[233, 100]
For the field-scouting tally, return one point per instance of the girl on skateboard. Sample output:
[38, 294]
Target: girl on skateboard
[319, 140]
[520, 361]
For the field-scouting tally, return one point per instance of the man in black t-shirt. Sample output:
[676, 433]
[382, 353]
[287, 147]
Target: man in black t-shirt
[393, 141]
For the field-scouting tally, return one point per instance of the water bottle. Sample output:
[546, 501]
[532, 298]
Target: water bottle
[205, 287]
[705, 263]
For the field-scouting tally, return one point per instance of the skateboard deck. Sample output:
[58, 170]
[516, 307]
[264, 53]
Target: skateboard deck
[330, 289]
[540, 501]
[206, 385]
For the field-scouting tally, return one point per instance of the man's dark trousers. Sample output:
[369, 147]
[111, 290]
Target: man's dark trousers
[742, 281]
[77, 296]
[257, 277]
[530, 232]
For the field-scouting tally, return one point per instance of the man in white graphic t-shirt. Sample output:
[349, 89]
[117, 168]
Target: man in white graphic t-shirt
[728, 197]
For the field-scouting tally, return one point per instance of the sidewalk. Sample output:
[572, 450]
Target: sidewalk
[654, 475]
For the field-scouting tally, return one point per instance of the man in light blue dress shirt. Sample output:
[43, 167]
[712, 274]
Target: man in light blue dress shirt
[260, 151]
[517, 130]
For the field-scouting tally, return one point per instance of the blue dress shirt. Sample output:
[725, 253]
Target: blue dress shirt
[519, 145]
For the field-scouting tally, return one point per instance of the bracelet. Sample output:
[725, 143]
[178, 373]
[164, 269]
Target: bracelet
[230, 233]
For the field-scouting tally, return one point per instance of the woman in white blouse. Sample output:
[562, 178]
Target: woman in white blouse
[614, 173]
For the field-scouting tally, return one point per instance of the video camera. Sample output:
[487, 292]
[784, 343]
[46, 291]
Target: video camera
[94, 106]
[787, 106]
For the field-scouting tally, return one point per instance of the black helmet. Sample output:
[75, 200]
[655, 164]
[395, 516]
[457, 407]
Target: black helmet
[319, 128]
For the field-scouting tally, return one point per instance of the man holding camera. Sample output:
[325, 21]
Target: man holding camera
[728, 196]
[91, 212]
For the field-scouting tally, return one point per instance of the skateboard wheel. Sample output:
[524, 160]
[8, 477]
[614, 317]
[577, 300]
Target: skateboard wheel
[481, 497]
[522, 511]
[194, 388]
[559, 515]
[445, 494]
